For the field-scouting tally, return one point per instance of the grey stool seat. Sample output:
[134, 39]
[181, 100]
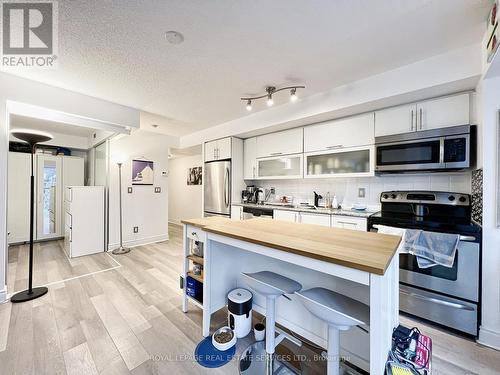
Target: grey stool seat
[335, 308]
[271, 285]
[339, 312]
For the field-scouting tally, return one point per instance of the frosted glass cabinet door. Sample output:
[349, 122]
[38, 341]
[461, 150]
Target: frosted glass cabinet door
[280, 167]
[340, 163]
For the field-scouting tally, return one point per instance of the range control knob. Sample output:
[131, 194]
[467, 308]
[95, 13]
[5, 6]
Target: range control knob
[451, 198]
[462, 199]
[385, 196]
[393, 196]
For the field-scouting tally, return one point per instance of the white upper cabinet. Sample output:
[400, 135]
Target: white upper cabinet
[348, 132]
[249, 158]
[218, 150]
[395, 120]
[211, 151]
[443, 112]
[430, 114]
[224, 148]
[280, 143]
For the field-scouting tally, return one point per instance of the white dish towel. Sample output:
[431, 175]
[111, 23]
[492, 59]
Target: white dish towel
[430, 248]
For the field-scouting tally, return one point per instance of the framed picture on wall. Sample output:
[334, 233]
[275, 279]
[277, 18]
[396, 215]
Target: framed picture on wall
[142, 172]
[194, 176]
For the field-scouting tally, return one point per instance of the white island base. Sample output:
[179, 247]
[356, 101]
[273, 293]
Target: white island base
[226, 258]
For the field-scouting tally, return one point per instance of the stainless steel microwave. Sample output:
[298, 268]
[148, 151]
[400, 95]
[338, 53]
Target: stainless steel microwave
[451, 148]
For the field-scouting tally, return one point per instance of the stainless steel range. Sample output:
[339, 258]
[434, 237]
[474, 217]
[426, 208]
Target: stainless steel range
[448, 296]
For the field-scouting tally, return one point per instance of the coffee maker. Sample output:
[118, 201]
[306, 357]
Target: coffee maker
[248, 195]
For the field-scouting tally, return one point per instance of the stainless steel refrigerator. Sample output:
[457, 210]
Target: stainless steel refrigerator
[217, 188]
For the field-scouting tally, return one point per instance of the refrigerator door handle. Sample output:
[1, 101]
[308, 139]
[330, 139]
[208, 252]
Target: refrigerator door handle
[226, 188]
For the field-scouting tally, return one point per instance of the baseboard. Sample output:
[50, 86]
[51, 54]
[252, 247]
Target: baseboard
[140, 242]
[489, 338]
[3, 294]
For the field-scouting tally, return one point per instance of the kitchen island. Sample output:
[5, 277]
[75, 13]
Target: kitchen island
[361, 265]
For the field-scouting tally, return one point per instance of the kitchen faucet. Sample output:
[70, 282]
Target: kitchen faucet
[317, 197]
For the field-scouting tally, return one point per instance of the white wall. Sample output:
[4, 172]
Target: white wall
[143, 208]
[17, 89]
[346, 189]
[184, 200]
[489, 106]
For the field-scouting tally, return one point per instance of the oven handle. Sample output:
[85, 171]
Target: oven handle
[461, 238]
[438, 301]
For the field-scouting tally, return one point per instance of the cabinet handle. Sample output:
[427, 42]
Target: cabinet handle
[421, 124]
[411, 125]
[276, 153]
[335, 146]
[254, 171]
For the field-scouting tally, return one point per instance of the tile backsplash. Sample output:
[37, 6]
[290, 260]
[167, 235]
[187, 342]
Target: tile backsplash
[346, 189]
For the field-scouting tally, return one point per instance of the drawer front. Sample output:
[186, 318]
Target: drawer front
[196, 234]
[353, 223]
[68, 220]
[450, 312]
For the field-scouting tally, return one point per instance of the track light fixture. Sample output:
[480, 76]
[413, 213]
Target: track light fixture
[270, 91]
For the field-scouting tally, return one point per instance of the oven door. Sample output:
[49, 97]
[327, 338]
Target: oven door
[410, 155]
[461, 280]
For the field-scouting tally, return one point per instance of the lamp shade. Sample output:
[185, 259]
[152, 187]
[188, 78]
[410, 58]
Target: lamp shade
[31, 136]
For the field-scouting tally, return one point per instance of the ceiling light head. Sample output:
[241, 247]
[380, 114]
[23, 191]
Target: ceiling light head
[174, 37]
[270, 100]
[249, 105]
[154, 125]
[293, 94]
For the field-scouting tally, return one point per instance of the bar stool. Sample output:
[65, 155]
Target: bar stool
[340, 312]
[271, 285]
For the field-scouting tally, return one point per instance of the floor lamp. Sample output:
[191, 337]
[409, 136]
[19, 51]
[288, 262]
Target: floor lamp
[32, 137]
[119, 160]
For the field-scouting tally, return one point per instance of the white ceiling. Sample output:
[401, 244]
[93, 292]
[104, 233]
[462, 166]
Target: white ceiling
[17, 121]
[116, 49]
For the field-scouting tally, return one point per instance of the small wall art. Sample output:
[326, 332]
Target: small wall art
[194, 176]
[142, 172]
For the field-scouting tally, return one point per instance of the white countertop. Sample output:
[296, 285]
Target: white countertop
[325, 211]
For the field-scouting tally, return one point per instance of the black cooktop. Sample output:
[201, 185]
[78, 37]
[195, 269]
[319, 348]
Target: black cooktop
[430, 223]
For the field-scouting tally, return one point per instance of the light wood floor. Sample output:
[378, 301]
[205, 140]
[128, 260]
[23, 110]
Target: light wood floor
[128, 320]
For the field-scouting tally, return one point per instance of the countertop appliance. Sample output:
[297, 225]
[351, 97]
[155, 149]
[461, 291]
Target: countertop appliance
[447, 296]
[217, 188]
[239, 305]
[263, 212]
[451, 148]
[248, 195]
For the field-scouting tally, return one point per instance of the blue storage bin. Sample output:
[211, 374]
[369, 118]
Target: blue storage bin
[194, 289]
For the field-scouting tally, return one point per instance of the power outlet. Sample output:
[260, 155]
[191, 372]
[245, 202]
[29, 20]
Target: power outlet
[157, 189]
[129, 189]
[361, 193]
[136, 229]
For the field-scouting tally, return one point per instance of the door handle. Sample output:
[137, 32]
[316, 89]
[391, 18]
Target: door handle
[437, 301]
[226, 188]
[421, 124]
[411, 124]
[335, 146]
[276, 153]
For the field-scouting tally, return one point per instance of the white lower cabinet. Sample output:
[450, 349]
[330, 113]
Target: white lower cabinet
[347, 222]
[318, 219]
[302, 217]
[284, 215]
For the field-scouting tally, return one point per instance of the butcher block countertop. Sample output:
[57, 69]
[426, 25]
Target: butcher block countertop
[365, 251]
[203, 222]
